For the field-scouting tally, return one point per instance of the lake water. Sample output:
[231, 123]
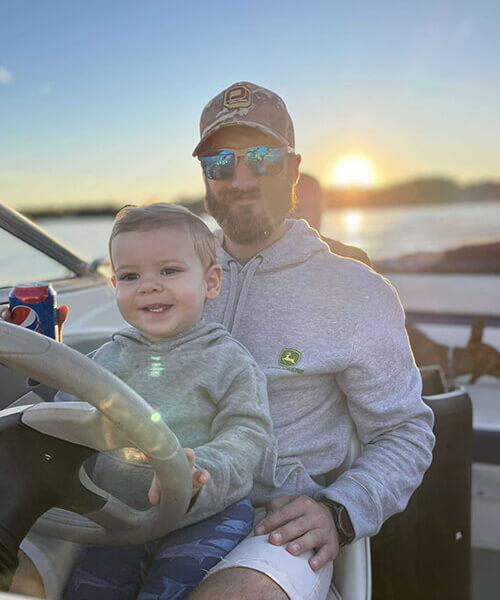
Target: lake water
[381, 231]
[391, 231]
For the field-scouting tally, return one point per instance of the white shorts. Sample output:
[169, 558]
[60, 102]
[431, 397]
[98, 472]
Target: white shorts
[292, 573]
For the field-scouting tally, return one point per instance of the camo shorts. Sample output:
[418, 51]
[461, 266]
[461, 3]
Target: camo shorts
[167, 569]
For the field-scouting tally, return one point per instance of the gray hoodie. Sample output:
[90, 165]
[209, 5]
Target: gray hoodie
[329, 334]
[212, 395]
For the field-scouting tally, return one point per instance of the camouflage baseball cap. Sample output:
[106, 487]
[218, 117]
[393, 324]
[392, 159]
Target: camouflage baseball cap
[247, 104]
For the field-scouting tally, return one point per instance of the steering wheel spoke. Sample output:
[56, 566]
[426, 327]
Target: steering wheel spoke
[77, 422]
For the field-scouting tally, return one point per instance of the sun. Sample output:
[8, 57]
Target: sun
[353, 170]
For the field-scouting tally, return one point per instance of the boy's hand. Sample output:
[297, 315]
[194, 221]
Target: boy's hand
[199, 478]
[61, 311]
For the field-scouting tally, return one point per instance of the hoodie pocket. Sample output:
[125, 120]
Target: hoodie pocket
[288, 474]
[305, 484]
[292, 479]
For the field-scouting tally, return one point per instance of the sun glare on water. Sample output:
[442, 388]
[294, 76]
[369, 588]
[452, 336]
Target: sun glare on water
[351, 221]
[353, 170]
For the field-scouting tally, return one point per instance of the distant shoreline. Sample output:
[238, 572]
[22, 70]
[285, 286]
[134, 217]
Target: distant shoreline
[428, 192]
[95, 211]
[417, 192]
[198, 208]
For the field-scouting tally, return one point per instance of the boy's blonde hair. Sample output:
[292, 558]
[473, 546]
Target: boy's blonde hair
[162, 214]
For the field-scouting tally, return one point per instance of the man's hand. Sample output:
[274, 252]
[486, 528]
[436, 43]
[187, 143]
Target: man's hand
[303, 524]
[199, 478]
[61, 311]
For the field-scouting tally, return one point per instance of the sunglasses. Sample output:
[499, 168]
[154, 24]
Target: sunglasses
[262, 160]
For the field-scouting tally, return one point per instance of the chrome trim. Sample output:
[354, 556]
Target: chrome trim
[25, 230]
[449, 318]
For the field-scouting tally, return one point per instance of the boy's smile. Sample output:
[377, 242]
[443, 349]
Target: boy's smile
[157, 308]
[161, 283]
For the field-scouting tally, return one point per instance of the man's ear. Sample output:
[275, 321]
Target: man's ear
[296, 160]
[213, 279]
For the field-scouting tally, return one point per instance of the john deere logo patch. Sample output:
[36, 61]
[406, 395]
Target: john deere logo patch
[289, 357]
[239, 96]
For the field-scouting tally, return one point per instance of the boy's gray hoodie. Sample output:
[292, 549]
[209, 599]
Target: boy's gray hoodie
[212, 395]
[329, 334]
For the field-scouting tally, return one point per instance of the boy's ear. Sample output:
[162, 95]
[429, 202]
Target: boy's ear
[213, 278]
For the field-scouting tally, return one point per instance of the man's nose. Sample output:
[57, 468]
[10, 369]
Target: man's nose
[243, 177]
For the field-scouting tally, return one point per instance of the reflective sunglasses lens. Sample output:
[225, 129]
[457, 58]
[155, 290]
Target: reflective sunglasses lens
[264, 160]
[218, 166]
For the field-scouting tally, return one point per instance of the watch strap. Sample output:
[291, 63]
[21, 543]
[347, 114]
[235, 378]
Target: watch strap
[342, 520]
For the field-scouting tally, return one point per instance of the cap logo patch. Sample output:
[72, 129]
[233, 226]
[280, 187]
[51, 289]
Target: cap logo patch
[239, 96]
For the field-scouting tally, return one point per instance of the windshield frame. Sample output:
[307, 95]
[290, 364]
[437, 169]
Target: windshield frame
[33, 235]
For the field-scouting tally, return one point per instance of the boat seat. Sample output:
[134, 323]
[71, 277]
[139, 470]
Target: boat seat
[433, 380]
[352, 575]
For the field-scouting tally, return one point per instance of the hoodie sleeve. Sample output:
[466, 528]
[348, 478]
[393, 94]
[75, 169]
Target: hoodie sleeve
[240, 433]
[383, 391]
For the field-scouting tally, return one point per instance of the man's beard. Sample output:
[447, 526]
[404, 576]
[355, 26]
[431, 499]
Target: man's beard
[249, 223]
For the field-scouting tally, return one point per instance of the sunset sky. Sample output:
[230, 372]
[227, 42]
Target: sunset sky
[100, 99]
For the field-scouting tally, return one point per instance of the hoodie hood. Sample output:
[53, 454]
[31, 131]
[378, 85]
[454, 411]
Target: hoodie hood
[209, 331]
[299, 243]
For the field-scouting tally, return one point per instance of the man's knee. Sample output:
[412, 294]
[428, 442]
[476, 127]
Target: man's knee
[238, 584]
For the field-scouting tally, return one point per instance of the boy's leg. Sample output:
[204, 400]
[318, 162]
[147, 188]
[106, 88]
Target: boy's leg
[109, 573]
[188, 554]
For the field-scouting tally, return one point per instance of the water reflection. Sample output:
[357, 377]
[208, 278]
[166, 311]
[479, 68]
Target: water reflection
[352, 221]
[392, 230]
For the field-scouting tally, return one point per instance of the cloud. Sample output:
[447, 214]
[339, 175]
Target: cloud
[5, 76]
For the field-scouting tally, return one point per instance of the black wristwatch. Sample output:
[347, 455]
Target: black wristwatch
[342, 521]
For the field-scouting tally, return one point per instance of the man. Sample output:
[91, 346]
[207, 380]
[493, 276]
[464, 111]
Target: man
[329, 334]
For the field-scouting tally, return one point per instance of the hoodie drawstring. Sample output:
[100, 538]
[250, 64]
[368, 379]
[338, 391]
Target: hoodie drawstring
[252, 267]
[233, 286]
[296, 246]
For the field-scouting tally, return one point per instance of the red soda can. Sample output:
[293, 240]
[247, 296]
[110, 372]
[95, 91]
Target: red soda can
[33, 305]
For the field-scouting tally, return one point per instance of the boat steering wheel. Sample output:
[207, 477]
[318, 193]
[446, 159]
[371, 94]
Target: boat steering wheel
[43, 446]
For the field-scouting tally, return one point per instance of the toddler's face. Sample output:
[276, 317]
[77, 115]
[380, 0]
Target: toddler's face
[161, 284]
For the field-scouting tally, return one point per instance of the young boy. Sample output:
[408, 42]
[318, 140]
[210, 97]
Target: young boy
[208, 389]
